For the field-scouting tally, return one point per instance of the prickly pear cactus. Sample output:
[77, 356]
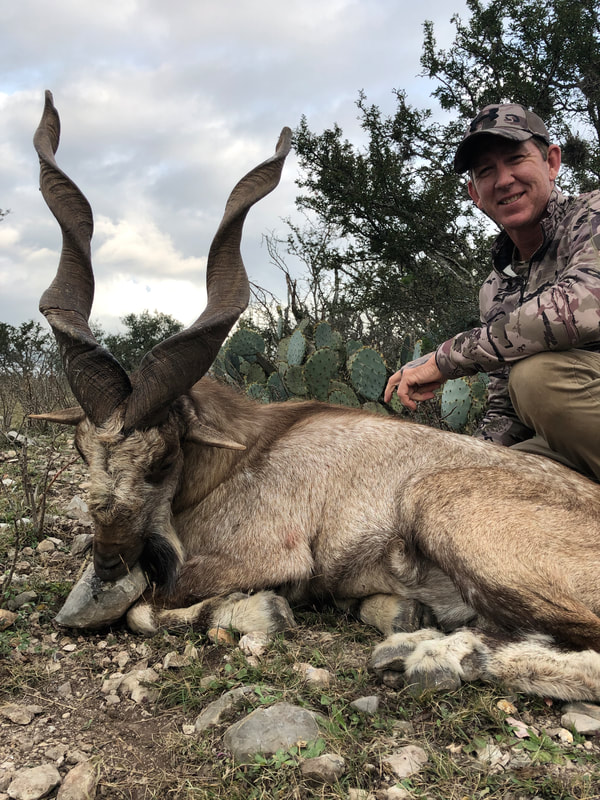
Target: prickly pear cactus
[317, 363]
[255, 374]
[455, 403]
[258, 392]
[296, 348]
[295, 380]
[368, 373]
[276, 387]
[246, 342]
[376, 408]
[352, 346]
[319, 369]
[463, 400]
[342, 395]
[325, 336]
[280, 323]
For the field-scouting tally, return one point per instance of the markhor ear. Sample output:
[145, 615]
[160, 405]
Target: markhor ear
[203, 434]
[63, 416]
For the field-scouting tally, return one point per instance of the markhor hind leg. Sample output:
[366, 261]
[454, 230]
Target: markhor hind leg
[390, 613]
[263, 611]
[532, 664]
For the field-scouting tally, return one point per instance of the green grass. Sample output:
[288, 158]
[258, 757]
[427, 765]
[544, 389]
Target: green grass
[451, 727]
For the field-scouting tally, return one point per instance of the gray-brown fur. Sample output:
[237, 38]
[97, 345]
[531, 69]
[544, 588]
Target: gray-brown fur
[222, 499]
[335, 503]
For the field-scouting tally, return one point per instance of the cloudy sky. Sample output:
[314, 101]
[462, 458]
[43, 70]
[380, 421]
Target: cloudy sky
[164, 106]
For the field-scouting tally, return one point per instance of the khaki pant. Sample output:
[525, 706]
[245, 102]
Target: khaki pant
[558, 396]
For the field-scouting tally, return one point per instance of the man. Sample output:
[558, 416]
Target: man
[539, 338]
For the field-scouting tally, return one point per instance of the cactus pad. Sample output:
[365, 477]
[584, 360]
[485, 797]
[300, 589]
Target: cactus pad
[246, 342]
[342, 397]
[367, 372]
[295, 381]
[296, 348]
[258, 392]
[255, 374]
[276, 387]
[375, 408]
[456, 403]
[319, 369]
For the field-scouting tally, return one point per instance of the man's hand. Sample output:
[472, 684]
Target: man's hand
[416, 381]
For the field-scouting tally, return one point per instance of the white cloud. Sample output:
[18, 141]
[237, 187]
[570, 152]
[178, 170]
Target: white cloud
[122, 295]
[140, 248]
[163, 108]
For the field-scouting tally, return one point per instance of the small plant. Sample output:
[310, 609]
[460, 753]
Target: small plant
[540, 748]
[25, 496]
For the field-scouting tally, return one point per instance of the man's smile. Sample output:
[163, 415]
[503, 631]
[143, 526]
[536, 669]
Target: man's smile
[512, 199]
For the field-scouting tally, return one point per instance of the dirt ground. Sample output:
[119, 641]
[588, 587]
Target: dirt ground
[57, 705]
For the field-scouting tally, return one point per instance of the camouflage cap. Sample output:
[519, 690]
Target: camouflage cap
[510, 120]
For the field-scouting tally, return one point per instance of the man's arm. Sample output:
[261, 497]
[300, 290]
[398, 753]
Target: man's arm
[416, 381]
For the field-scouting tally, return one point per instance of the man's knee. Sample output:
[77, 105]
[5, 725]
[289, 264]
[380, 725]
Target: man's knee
[548, 389]
[531, 380]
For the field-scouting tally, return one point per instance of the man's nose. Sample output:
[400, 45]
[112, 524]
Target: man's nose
[504, 175]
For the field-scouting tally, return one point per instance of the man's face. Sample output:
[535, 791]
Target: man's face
[511, 182]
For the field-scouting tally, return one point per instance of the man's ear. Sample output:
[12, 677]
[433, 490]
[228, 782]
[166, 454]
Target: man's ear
[473, 194]
[554, 160]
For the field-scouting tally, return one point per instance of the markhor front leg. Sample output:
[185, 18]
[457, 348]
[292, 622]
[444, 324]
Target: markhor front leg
[263, 611]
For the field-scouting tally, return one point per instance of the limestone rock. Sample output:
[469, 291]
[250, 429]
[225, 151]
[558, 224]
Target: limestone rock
[583, 723]
[93, 603]
[81, 782]
[78, 509]
[394, 793]
[18, 438]
[366, 705]
[214, 712]
[407, 761]
[589, 709]
[81, 543]
[327, 768]
[254, 643]
[19, 715]
[267, 730]
[7, 618]
[314, 675]
[33, 783]
[22, 599]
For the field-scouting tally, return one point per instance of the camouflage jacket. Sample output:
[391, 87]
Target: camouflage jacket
[551, 302]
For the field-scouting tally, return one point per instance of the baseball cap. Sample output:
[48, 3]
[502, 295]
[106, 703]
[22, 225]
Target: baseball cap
[509, 120]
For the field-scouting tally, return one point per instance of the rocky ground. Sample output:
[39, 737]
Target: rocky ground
[107, 714]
